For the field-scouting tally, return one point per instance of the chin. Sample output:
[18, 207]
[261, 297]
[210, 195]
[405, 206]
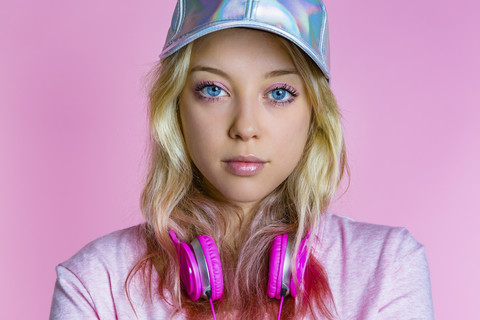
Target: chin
[242, 197]
[244, 190]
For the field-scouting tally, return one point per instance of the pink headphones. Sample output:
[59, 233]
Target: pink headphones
[201, 269]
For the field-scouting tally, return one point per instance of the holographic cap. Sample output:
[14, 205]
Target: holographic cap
[304, 22]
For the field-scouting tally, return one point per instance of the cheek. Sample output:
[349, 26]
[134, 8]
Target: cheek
[199, 132]
[292, 137]
[190, 127]
[202, 145]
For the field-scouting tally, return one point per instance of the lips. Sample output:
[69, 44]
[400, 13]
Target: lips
[245, 166]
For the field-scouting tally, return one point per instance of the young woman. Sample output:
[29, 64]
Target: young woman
[247, 152]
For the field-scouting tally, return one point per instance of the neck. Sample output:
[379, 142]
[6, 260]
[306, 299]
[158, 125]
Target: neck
[238, 226]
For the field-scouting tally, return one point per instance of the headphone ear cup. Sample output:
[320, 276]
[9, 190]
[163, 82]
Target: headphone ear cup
[301, 264]
[214, 265]
[189, 272]
[277, 259]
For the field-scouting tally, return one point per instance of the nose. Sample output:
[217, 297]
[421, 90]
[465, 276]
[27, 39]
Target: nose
[245, 123]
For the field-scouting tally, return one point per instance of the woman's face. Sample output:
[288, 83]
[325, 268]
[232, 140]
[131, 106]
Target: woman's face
[244, 113]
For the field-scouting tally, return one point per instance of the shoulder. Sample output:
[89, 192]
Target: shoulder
[114, 253]
[92, 284]
[367, 239]
[374, 271]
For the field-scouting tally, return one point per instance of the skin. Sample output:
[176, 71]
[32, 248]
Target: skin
[244, 98]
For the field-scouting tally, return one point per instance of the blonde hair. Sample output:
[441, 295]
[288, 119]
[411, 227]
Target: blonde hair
[175, 197]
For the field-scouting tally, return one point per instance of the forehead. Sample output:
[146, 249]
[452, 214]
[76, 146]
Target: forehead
[254, 47]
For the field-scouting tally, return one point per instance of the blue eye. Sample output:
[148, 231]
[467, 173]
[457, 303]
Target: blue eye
[279, 94]
[213, 91]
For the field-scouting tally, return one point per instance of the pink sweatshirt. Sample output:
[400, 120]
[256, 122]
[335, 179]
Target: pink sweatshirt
[375, 272]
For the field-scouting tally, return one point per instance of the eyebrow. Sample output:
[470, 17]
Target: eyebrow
[278, 73]
[209, 69]
[271, 74]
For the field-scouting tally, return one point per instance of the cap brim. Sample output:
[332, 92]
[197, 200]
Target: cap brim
[185, 39]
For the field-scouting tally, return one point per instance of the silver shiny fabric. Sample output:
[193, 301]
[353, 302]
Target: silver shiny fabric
[304, 22]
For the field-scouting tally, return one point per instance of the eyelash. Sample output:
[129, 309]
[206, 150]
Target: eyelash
[291, 90]
[202, 85]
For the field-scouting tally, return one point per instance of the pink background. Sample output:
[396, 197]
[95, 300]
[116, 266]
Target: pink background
[73, 131]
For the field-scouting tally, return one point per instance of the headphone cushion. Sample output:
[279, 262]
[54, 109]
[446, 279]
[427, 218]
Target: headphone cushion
[301, 263]
[189, 271]
[277, 259]
[214, 265]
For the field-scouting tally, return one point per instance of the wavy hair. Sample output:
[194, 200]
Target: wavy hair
[176, 197]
